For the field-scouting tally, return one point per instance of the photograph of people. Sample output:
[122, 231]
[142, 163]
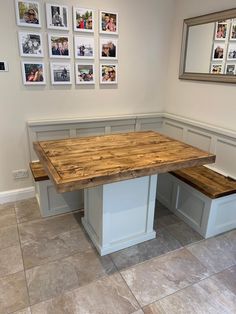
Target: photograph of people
[33, 73]
[108, 48]
[221, 30]
[230, 69]
[83, 20]
[231, 52]
[218, 51]
[84, 47]
[108, 22]
[59, 46]
[30, 44]
[108, 74]
[233, 32]
[216, 68]
[27, 13]
[84, 73]
[57, 16]
[60, 73]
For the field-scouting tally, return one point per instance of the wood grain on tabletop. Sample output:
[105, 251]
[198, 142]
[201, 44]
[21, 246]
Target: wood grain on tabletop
[207, 181]
[78, 163]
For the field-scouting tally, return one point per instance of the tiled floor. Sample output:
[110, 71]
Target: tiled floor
[49, 266]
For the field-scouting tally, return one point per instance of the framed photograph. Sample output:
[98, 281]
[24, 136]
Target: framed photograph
[28, 13]
[221, 30]
[84, 73]
[60, 73]
[230, 69]
[30, 44]
[83, 20]
[84, 47]
[218, 51]
[216, 68]
[59, 46]
[57, 16]
[108, 48]
[108, 73]
[231, 55]
[108, 22]
[33, 73]
[233, 31]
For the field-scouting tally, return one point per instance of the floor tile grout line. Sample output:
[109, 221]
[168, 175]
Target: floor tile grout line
[26, 283]
[195, 283]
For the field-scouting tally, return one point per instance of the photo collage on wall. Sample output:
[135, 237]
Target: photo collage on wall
[223, 59]
[61, 49]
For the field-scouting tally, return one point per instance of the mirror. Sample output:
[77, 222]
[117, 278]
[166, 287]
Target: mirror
[209, 48]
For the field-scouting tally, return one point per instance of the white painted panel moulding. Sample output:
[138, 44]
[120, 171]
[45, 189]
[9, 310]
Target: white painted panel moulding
[16, 195]
[198, 139]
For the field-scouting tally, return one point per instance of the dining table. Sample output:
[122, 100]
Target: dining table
[119, 174]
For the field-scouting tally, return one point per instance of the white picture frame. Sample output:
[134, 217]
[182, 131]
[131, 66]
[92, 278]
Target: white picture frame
[83, 20]
[219, 51]
[233, 31]
[30, 44]
[33, 73]
[108, 48]
[59, 46]
[231, 53]
[108, 73]
[221, 30]
[84, 73]
[84, 47]
[57, 16]
[60, 73]
[230, 69]
[108, 22]
[216, 68]
[28, 13]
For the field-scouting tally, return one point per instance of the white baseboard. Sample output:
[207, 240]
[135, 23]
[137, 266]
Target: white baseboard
[16, 195]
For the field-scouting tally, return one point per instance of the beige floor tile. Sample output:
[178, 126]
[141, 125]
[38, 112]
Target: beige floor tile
[51, 249]
[10, 261]
[106, 296]
[8, 236]
[208, 296]
[163, 275]
[48, 228]
[216, 253]
[49, 280]
[7, 215]
[25, 311]
[27, 210]
[227, 278]
[13, 293]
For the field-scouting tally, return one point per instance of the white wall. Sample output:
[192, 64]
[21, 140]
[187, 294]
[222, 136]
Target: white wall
[144, 39]
[207, 102]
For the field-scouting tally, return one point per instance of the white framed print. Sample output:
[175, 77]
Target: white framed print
[231, 54]
[108, 22]
[108, 73]
[108, 48]
[83, 20]
[60, 73]
[216, 68]
[230, 69]
[33, 73]
[59, 46]
[57, 16]
[30, 44]
[84, 47]
[28, 13]
[233, 31]
[218, 51]
[84, 73]
[221, 30]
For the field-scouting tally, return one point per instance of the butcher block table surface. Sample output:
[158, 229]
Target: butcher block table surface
[79, 163]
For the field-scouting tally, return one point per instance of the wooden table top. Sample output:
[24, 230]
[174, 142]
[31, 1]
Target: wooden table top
[79, 163]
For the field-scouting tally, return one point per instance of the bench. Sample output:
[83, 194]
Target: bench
[203, 198]
[50, 202]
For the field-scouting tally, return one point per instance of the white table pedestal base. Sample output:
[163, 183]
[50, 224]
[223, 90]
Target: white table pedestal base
[121, 214]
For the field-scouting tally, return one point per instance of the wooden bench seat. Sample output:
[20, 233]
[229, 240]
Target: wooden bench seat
[50, 201]
[207, 181]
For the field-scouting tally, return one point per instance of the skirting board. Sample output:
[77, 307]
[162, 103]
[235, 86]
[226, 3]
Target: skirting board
[16, 195]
